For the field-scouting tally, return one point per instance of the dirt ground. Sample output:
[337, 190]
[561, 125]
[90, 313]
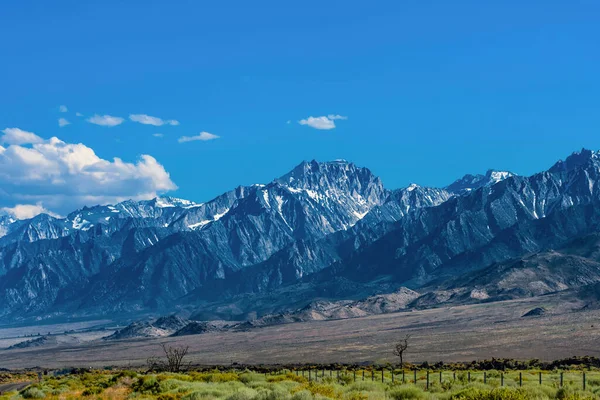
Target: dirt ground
[461, 333]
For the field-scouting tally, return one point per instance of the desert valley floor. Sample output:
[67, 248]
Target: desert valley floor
[459, 333]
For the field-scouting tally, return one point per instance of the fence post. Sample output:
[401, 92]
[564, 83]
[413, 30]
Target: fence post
[454, 375]
[338, 375]
[392, 375]
[373, 374]
[501, 378]
[561, 379]
[584, 381]
[331, 373]
[415, 376]
[469, 376]
[520, 379]
[382, 369]
[403, 377]
[540, 377]
[354, 375]
[484, 377]
[427, 379]
[440, 376]
[363, 374]
[309, 375]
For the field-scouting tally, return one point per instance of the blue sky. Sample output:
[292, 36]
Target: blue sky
[431, 89]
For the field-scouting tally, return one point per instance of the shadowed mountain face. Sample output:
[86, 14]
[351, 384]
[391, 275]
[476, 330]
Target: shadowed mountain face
[303, 234]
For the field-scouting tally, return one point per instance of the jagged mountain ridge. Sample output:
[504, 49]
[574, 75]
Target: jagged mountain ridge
[316, 224]
[237, 229]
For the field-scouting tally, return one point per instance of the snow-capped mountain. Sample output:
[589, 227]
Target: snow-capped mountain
[316, 225]
[470, 182]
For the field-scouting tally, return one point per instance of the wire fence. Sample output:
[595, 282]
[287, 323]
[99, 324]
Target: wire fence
[428, 378]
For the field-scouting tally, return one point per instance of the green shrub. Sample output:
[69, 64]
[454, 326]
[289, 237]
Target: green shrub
[124, 374]
[407, 392]
[302, 395]
[287, 377]
[32, 393]
[92, 390]
[570, 393]
[248, 377]
[276, 393]
[472, 393]
[168, 396]
[539, 392]
[146, 385]
[246, 394]
[366, 386]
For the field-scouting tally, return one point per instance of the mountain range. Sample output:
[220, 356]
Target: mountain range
[325, 231]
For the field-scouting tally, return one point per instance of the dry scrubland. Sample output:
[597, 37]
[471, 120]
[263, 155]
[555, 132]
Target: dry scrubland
[246, 385]
[461, 333]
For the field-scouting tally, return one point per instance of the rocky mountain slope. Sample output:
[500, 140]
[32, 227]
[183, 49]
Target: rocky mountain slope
[324, 231]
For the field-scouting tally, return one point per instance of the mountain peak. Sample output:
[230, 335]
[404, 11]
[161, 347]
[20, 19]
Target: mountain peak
[310, 174]
[576, 159]
[167, 201]
[472, 182]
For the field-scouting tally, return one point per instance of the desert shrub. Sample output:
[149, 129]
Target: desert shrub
[570, 393]
[287, 377]
[32, 393]
[214, 376]
[462, 377]
[366, 386]
[447, 385]
[492, 373]
[325, 390]
[248, 377]
[356, 396]
[124, 374]
[472, 393]
[302, 395]
[277, 393]
[168, 396]
[171, 375]
[593, 382]
[170, 384]
[92, 390]
[245, 394]
[204, 394]
[146, 385]
[407, 392]
[539, 392]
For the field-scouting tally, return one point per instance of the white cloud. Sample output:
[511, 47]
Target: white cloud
[288, 122]
[19, 136]
[64, 176]
[158, 135]
[155, 121]
[78, 114]
[203, 136]
[63, 122]
[324, 122]
[105, 120]
[26, 211]
[63, 109]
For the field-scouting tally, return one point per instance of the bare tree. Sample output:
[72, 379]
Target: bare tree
[400, 348]
[174, 359]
